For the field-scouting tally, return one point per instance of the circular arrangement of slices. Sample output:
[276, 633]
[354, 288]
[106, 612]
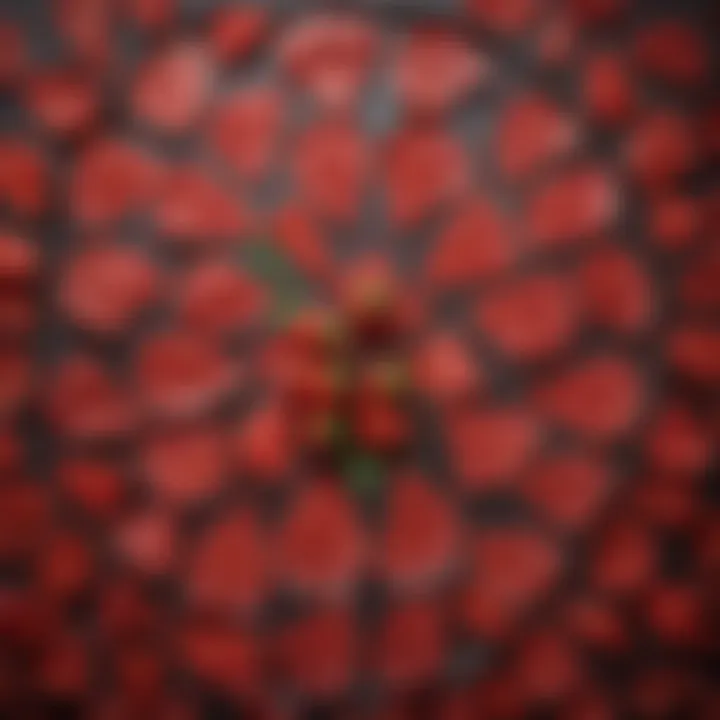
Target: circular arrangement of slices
[359, 364]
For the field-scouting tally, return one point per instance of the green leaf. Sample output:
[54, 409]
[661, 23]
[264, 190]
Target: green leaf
[287, 286]
[364, 473]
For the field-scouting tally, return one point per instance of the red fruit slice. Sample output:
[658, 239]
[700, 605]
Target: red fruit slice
[546, 668]
[596, 625]
[675, 614]
[16, 385]
[173, 87]
[179, 374]
[228, 571]
[422, 535]
[673, 51]
[568, 489]
[184, 465]
[23, 177]
[329, 56]
[112, 178]
[504, 17]
[86, 403]
[25, 518]
[62, 101]
[694, 352]
[474, 245]
[513, 568]
[675, 221]
[617, 292]
[597, 12]
[490, 447]
[86, 27]
[532, 318]
[624, 559]
[318, 653]
[66, 567]
[321, 548]
[410, 648]
[436, 70]
[236, 32]
[532, 132]
[661, 149]
[221, 656]
[599, 398]
[246, 130]
[220, 299]
[667, 502]
[300, 237]
[106, 289]
[608, 91]
[331, 165]
[13, 53]
[677, 442]
[194, 209]
[262, 445]
[699, 289]
[576, 205]
[96, 486]
[444, 370]
[151, 15]
[425, 170]
[146, 541]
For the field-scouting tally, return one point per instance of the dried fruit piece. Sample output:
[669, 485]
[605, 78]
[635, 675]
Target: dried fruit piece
[105, 289]
[617, 293]
[409, 649]
[436, 70]
[321, 548]
[184, 465]
[229, 571]
[578, 204]
[673, 51]
[694, 352]
[331, 165]
[23, 176]
[62, 101]
[236, 32]
[220, 656]
[608, 90]
[532, 132]
[317, 653]
[699, 289]
[220, 299]
[173, 87]
[512, 569]
[246, 128]
[13, 53]
[329, 56]
[490, 447]
[66, 567]
[96, 486]
[505, 17]
[86, 403]
[661, 149]
[112, 178]
[262, 445]
[86, 26]
[179, 374]
[151, 15]
[422, 535]
[301, 238]
[476, 244]
[25, 519]
[425, 170]
[194, 209]
[445, 371]
[16, 385]
[146, 541]
[530, 319]
[568, 489]
[624, 558]
[599, 398]
[675, 221]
